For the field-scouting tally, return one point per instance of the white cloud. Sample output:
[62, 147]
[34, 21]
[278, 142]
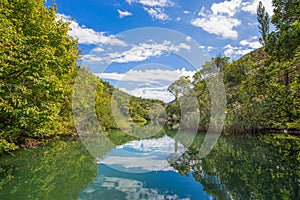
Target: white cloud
[235, 52]
[227, 7]
[209, 48]
[124, 13]
[144, 51]
[186, 12]
[218, 24]
[219, 19]
[203, 12]
[253, 43]
[183, 46]
[153, 3]
[92, 58]
[157, 13]
[98, 49]
[135, 53]
[150, 84]
[155, 8]
[160, 93]
[251, 6]
[153, 75]
[88, 35]
[188, 38]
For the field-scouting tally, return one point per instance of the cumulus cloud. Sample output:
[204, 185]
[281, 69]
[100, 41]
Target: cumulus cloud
[235, 52]
[99, 49]
[150, 84]
[251, 6]
[152, 75]
[134, 53]
[160, 93]
[155, 8]
[218, 24]
[157, 13]
[188, 38]
[252, 43]
[247, 45]
[227, 7]
[92, 58]
[89, 36]
[153, 3]
[209, 48]
[143, 51]
[219, 19]
[124, 13]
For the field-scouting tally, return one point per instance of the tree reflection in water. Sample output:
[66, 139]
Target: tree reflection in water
[245, 167]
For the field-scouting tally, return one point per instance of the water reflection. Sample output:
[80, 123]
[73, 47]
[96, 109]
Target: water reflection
[246, 168]
[113, 184]
[163, 168]
[237, 168]
[146, 155]
[57, 171]
[140, 169]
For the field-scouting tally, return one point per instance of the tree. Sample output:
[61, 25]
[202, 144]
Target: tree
[284, 42]
[180, 87]
[38, 65]
[264, 23]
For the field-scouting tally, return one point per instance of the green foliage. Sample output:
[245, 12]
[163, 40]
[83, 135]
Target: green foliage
[116, 109]
[180, 87]
[264, 23]
[284, 42]
[262, 87]
[37, 68]
[6, 146]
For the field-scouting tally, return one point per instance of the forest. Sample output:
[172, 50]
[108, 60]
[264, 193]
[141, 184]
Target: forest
[38, 67]
[262, 87]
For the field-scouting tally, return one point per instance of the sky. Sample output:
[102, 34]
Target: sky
[142, 46]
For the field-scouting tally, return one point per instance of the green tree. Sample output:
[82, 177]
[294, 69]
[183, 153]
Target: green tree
[284, 42]
[37, 69]
[264, 23]
[180, 87]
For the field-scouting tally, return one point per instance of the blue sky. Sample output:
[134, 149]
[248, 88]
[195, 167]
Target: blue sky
[118, 52]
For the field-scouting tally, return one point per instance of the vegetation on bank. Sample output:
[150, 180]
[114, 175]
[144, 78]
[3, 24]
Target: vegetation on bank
[262, 87]
[38, 67]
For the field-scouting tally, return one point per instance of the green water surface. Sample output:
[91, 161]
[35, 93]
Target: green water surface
[238, 167]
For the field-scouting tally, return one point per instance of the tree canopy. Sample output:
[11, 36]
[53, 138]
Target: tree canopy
[262, 87]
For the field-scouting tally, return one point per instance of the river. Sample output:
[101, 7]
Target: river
[162, 167]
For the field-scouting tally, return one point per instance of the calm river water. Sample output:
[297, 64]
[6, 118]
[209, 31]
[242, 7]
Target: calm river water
[157, 168]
